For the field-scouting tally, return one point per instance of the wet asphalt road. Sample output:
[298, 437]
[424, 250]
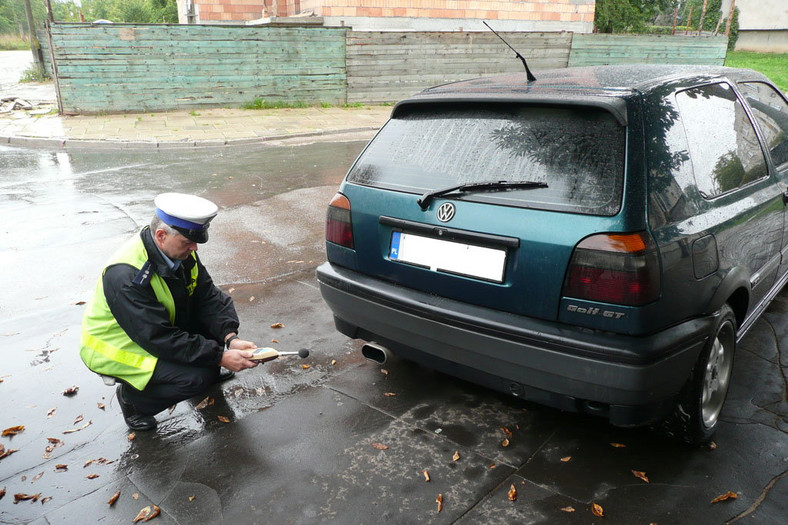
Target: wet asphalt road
[306, 445]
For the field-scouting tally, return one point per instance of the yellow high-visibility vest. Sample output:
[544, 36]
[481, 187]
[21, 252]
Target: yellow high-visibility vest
[106, 348]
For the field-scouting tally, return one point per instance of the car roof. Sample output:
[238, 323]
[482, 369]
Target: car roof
[605, 87]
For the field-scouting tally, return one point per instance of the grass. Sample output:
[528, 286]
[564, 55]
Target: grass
[33, 74]
[13, 43]
[773, 65]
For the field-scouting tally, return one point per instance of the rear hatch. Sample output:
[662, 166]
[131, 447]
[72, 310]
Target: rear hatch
[552, 175]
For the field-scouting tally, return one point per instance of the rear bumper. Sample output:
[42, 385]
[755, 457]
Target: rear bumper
[630, 380]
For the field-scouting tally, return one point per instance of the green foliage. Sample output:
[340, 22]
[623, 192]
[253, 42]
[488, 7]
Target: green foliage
[261, 103]
[627, 16]
[33, 74]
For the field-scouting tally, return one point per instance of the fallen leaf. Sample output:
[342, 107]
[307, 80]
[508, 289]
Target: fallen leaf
[51, 412]
[83, 427]
[132, 436]
[92, 476]
[71, 391]
[78, 419]
[305, 367]
[2, 493]
[60, 467]
[44, 500]
[712, 445]
[456, 456]
[439, 501]
[426, 475]
[136, 496]
[12, 431]
[250, 300]
[147, 514]
[568, 509]
[512, 495]
[384, 371]
[274, 341]
[493, 465]
[379, 446]
[389, 394]
[333, 362]
[37, 477]
[506, 431]
[597, 510]
[192, 498]
[641, 475]
[55, 441]
[617, 445]
[208, 401]
[223, 419]
[113, 499]
[277, 325]
[567, 458]
[79, 303]
[100, 405]
[25, 497]
[231, 290]
[5, 453]
[505, 442]
[725, 497]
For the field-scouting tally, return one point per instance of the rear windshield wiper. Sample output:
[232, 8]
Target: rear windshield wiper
[499, 185]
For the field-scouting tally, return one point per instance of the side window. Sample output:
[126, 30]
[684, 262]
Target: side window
[724, 148]
[771, 112]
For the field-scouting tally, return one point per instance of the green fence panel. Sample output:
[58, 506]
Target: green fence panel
[602, 49]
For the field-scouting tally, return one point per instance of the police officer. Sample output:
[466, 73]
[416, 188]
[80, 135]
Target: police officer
[156, 322]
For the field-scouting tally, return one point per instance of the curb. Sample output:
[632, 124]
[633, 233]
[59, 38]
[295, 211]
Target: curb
[66, 143]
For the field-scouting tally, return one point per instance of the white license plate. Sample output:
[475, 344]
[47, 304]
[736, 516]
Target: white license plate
[448, 256]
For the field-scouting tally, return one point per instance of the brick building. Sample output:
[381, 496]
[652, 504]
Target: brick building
[403, 15]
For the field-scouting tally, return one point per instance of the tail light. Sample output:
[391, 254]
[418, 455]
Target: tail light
[339, 229]
[614, 268]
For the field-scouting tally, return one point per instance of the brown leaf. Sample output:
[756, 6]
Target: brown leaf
[100, 405]
[712, 445]
[51, 412]
[223, 419]
[2, 493]
[493, 465]
[92, 476]
[384, 371]
[78, 419]
[512, 495]
[208, 401]
[617, 445]
[37, 477]
[135, 496]
[506, 431]
[143, 514]
[277, 325]
[505, 442]
[333, 362]
[132, 436]
[389, 394]
[567, 458]
[79, 303]
[456, 456]
[25, 497]
[5, 453]
[568, 509]
[60, 467]
[83, 427]
[305, 367]
[725, 497]
[113, 499]
[426, 475]
[71, 391]
[12, 431]
[192, 498]
[597, 510]
[439, 501]
[641, 475]
[379, 446]
[274, 341]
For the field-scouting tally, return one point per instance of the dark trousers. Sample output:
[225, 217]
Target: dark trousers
[170, 384]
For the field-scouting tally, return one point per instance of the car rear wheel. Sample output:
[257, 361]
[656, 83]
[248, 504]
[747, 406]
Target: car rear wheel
[698, 407]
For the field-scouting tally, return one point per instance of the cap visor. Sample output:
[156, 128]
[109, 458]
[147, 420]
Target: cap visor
[198, 236]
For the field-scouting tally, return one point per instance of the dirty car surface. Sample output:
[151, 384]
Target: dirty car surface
[596, 240]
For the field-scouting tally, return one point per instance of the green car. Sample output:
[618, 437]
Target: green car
[596, 240]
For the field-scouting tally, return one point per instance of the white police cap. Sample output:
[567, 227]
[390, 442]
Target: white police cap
[188, 214]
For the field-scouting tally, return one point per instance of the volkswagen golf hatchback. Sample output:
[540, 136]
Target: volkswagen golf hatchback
[596, 240]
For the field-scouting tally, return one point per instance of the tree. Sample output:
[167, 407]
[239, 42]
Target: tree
[627, 16]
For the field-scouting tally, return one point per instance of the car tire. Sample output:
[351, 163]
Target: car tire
[696, 415]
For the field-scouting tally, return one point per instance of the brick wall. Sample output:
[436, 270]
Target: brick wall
[228, 11]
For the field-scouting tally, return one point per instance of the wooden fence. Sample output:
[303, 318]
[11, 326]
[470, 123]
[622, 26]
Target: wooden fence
[125, 67]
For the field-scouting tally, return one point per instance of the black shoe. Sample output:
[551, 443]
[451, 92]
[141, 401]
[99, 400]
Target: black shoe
[134, 420]
[225, 374]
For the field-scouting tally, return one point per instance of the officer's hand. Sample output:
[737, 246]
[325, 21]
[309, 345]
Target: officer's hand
[237, 360]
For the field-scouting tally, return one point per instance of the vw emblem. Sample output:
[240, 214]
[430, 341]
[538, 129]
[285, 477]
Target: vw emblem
[445, 212]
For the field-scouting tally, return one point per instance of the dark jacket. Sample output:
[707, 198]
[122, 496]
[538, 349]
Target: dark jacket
[202, 320]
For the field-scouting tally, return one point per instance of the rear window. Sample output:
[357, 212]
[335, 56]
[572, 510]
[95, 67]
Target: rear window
[578, 152]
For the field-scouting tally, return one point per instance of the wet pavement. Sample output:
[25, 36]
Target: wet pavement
[337, 440]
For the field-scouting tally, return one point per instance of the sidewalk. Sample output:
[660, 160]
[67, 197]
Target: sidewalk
[209, 127]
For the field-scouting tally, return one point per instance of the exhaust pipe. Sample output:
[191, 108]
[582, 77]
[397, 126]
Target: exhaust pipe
[375, 352]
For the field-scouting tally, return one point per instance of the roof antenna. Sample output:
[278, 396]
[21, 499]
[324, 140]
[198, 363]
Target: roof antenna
[528, 73]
